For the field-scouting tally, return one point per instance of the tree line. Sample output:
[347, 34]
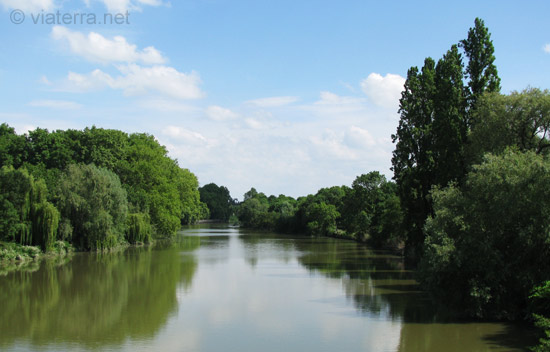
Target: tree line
[93, 188]
[469, 200]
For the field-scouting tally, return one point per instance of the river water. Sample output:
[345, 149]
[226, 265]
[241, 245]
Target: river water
[225, 289]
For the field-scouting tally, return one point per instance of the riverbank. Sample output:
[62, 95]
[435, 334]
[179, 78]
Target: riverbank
[14, 256]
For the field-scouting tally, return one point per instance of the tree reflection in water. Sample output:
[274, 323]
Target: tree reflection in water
[96, 299]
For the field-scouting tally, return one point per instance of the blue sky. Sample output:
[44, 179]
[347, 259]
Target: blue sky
[284, 96]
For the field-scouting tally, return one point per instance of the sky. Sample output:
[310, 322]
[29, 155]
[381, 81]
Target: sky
[285, 96]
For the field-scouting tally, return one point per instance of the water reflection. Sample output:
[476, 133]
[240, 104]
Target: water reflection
[96, 299]
[232, 290]
[381, 287]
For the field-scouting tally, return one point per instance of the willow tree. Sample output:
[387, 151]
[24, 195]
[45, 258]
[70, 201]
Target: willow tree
[25, 215]
[93, 201]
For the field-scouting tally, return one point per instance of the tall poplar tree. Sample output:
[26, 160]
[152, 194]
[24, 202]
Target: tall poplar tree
[481, 71]
[413, 160]
[435, 110]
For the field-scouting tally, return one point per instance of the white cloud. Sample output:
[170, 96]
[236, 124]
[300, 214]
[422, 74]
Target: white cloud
[272, 101]
[330, 104]
[384, 91]
[184, 135]
[328, 98]
[138, 80]
[96, 48]
[45, 80]
[94, 80]
[331, 144]
[359, 137]
[168, 105]
[55, 104]
[546, 48]
[217, 113]
[126, 5]
[28, 5]
[254, 124]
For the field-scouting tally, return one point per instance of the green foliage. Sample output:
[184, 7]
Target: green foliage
[370, 210]
[219, 201]
[253, 213]
[12, 147]
[365, 206]
[193, 209]
[95, 203]
[540, 305]
[322, 219]
[436, 108]
[45, 225]
[157, 185]
[17, 189]
[413, 159]
[154, 182]
[25, 215]
[481, 71]
[262, 212]
[542, 323]
[521, 119]
[488, 242]
[139, 228]
[16, 252]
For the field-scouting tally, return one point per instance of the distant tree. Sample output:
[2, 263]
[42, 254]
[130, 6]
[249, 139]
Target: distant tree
[219, 201]
[322, 219]
[253, 213]
[12, 147]
[371, 210]
[250, 194]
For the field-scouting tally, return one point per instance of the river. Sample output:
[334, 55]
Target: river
[226, 289]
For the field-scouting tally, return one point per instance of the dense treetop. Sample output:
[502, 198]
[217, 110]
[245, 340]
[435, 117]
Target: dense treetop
[126, 174]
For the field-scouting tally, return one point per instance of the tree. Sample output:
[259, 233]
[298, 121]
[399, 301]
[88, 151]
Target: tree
[139, 228]
[25, 215]
[12, 147]
[155, 183]
[253, 213]
[521, 119]
[250, 194]
[488, 242]
[481, 71]
[219, 201]
[93, 200]
[450, 125]
[322, 219]
[436, 108]
[413, 160]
